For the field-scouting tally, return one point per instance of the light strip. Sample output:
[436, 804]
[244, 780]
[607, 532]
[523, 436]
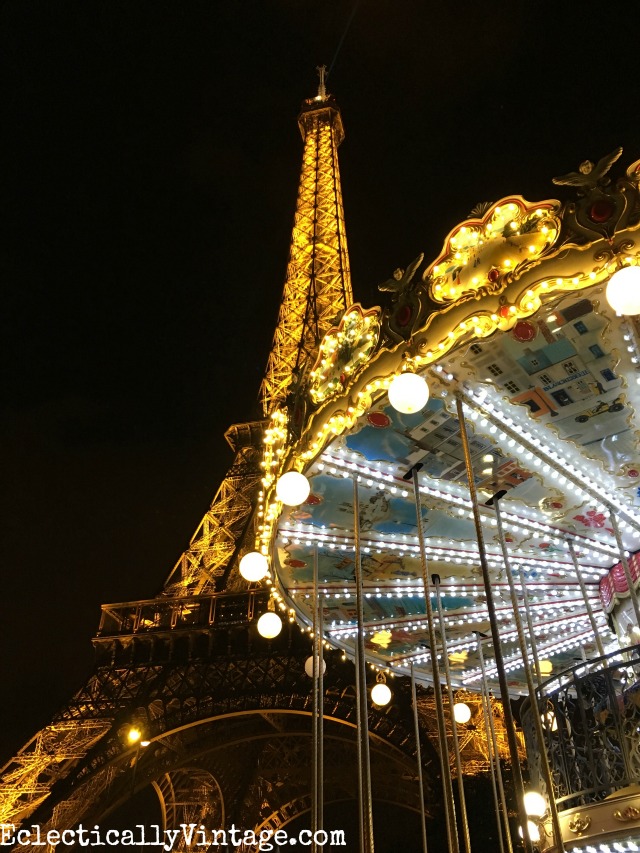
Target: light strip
[454, 497]
[571, 468]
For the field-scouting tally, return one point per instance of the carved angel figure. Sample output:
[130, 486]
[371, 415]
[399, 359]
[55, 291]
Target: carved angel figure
[589, 176]
[401, 279]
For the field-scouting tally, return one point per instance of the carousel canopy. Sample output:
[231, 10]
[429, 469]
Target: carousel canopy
[510, 327]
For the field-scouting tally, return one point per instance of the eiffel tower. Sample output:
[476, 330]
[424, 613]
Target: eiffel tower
[221, 715]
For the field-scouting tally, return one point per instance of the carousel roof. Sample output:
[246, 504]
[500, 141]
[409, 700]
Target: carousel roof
[509, 325]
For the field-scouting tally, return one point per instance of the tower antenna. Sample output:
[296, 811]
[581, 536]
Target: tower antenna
[322, 89]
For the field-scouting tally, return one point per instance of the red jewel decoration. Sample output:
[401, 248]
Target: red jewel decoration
[493, 275]
[313, 500]
[633, 472]
[295, 564]
[404, 316]
[343, 378]
[556, 505]
[503, 311]
[379, 420]
[524, 331]
[601, 210]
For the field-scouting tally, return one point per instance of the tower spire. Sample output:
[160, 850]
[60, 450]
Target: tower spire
[322, 89]
[318, 282]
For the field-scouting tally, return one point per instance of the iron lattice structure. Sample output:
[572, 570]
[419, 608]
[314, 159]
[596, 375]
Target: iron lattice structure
[318, 284]
[205, 566]
[227, 717]
[474, 741]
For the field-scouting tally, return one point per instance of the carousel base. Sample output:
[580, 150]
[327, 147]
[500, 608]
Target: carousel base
[610, 826]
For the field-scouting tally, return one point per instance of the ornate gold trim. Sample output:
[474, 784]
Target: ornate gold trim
[625, 815]
[579, 824]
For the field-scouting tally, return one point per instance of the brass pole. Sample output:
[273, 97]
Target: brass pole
[583, 590]
[320, 807]
[364, 762]
[532, 635]
[516, 770]
[495, 764]
[625, 565]
[454, 729]
[447, 786]
[314, 718]
[490, 752]
[537, 721]
[416, 726]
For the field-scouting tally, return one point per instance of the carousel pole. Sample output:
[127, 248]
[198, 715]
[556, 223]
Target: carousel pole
[450, 809]
[625, 565]
[320, 763]
[416, 726]
[364, 761]
[496, 769]
[490, 755]
[314, 723]
[537, 720]
[583, 590]
[516, 770]
[532, 634]
[454, 728]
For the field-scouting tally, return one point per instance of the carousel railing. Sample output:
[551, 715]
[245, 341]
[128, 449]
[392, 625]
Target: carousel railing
[591, 723]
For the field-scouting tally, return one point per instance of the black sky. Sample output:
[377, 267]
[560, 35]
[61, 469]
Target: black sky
[149, 166]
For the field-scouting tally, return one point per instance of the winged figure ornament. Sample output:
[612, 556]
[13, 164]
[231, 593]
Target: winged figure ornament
[589, 175]
[401, 278]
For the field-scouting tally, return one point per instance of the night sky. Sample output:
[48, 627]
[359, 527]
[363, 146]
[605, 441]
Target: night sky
[149, 164]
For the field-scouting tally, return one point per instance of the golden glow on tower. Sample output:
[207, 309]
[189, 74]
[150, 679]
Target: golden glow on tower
[318, 283]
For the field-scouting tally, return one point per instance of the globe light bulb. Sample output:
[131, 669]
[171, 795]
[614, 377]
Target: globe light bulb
[254, 566]
[134, 735]
[534, 831]
[461, 712]
[293, 488]
[308, 666]
[408, 393]
[380, 694]
[535, 804]
[623, 291]
[269, 625]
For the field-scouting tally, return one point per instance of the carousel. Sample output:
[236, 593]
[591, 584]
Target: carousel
[452, 491]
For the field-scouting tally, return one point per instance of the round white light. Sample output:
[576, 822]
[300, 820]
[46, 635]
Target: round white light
[380, 694]
[269, 625]
[461, 712]
[550, 721]
[293, 488]
[134, 735]
[408, 393]
[308, 666]
[623, 291]
[254, 566]
[535, 804]
[534, 831]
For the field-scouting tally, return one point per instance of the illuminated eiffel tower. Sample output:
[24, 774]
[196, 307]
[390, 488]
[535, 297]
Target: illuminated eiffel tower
[222, 715]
